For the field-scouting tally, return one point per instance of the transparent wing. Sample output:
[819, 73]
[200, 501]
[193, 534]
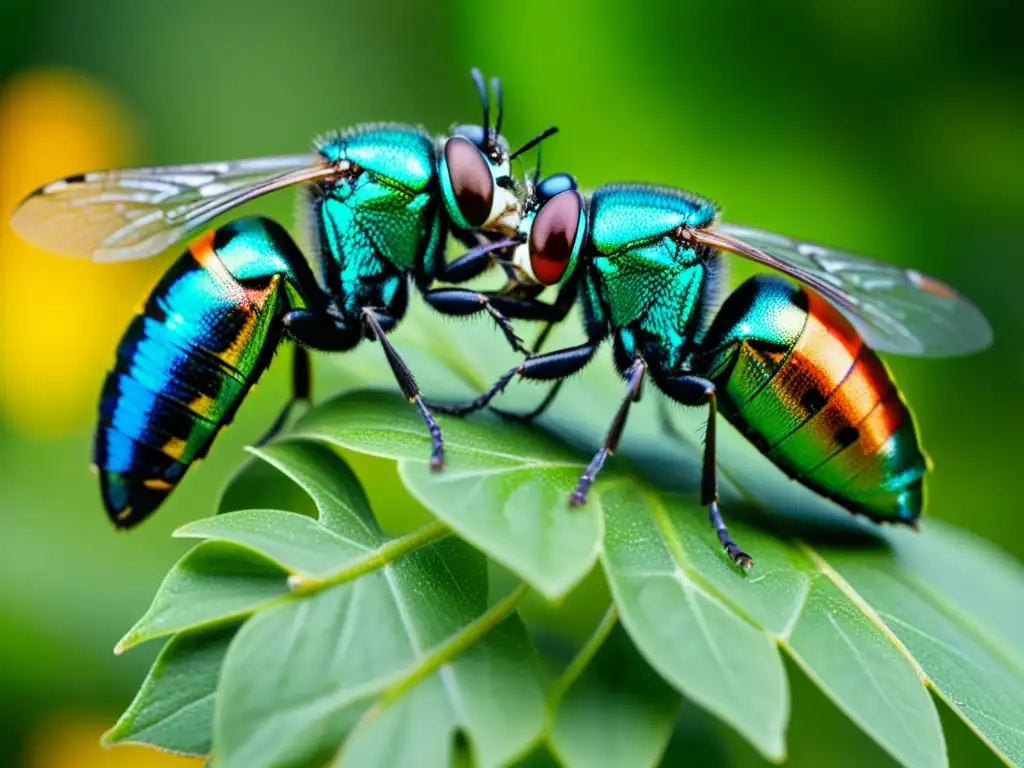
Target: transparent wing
[133, 213]
[895, 309]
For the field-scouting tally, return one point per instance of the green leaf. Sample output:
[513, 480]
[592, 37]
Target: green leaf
[972, 676]
[617, 711]
[503, 489]
[875, 618]
[798, 594]
[891, 581]
[257, 484]
[709, 629]
[301, 676]
[689, 635]
[975, 576]
[848, 654]
[866, 675]
[298, 545]
[330, 483]
[250, 555]
[512, 503]
[213, 582]
[329, 662]
[489, 697]
[174, 708]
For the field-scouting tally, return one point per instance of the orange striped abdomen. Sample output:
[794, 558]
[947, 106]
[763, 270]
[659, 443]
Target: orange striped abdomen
[795, 378]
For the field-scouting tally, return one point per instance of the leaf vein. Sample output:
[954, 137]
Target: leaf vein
[898, 711]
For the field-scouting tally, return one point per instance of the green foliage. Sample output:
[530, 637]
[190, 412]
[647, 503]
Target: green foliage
[611, 708]
[302, 640]
[327, 649]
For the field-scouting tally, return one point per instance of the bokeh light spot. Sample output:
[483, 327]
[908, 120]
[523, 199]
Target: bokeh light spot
[60, 318]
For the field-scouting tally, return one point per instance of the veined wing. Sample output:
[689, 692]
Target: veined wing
[895, 309]
[133, 213]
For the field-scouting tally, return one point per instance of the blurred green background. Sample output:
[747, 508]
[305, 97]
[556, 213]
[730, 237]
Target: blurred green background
[890, 128]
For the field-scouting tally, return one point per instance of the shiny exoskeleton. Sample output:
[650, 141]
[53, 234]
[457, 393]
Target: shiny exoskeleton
[784, 365]
[380, 203]
[795, 377]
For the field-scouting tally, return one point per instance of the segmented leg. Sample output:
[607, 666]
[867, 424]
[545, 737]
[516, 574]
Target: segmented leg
[537, 412]
[461, 301]
[407, 383]
[553, 365]
[634, 378]
[320, 331]
[694, 390]
[500, 305]
[474, 262]
[552, 314]
[301, 392]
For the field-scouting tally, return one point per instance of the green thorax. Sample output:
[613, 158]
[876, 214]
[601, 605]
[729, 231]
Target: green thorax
[656, 290]
[383, 220]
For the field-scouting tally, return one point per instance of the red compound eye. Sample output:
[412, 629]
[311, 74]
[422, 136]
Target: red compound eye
[472, 183]
[553, 236]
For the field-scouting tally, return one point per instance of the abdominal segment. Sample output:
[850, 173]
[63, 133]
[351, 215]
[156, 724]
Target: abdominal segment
[185, 363]
[796, 379]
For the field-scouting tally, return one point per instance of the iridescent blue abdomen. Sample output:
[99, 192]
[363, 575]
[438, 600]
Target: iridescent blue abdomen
[206, 333]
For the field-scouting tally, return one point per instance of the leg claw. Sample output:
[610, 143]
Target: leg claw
[741, 558]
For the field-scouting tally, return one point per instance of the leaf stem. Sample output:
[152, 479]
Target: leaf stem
[583, 658]
[441, 655]
[371, 561]
[456, 644]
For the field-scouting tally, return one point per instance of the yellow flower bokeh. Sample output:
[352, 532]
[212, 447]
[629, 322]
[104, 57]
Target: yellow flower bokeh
[60, 318]
[72, 741]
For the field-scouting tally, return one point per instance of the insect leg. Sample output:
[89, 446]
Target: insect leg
[694, 390]
[461, 301]
[318, 330]
[473, 262]
[556, 313]
[501, 305]
[554, 365]
[537, 412]
[468, 237]
[634, 377]
[301, 392]
[528, 307]
[407, 383]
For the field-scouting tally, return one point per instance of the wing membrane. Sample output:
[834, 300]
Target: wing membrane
[895, 309]
[134, 213]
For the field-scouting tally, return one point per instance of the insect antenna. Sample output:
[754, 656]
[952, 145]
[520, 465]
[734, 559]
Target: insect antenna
[536, 171]
[500, 101]
[549, 131]
[485, 101]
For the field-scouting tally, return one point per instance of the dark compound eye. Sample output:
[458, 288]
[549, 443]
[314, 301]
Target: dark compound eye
[553, 236]
[554, 185]
[472, 183]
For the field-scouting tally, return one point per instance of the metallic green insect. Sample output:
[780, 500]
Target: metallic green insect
[791, 367]
[380, 201]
